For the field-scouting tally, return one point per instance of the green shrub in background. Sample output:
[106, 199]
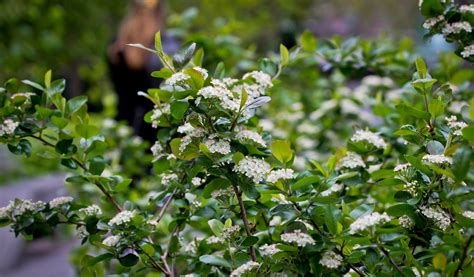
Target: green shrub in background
[392, 197]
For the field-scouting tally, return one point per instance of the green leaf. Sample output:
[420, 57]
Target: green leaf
[191, 152]
[468, 132]
[435, 147]
[75, 104]
[439, 261]
[87, 131]
[198, 57]
[400, 209]
[69, 163]
[178, 109]
[213, 185]
[243, 99]
[100, 258]
[281, 150]
[47, 79]
[148, 248]
[436, 108]
[97, 165]
[59, 122]
[461, 162]
[33, 84]
[305, 182]
[66, 147]
[249, 241]
[283, 55]
[331, 217]
[23, 147]
[421, 67]
[308, 41]
[123, 185]
[404, 109]
[214, 260]
[128, 258]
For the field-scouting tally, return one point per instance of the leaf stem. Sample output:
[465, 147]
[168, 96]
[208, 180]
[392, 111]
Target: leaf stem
[464, 255]
[243, 212]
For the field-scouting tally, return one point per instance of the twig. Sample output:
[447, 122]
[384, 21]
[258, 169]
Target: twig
[245, 219]
[340, 252]
[84, 168]
[387, 254]
[463, 257]
[165, 206]
[165, 255]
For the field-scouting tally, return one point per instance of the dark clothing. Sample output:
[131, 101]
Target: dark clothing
[128, 82]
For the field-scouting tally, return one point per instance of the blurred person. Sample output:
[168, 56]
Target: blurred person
[130, 67]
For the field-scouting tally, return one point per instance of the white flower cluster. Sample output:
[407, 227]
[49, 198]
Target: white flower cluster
[245, 268]
[222, 94]
[214, 240]
[263, 79]
[331, 260]
[191, 133]
[401, 168]
[334, 188]
[202, 71]
[468, 214]
[230, 232]
[111, 241]
[456, 28]
[439, 217]
[156, 149]
[369, 137]
[197, 181]
[82, 232]
[177, 79]
[249, 135]
[269, 250]
[455, 125]
[168, 178]
[19, 207]
[275, 175]
[164, 109]
[220, 146]
[255, 169]
[298, 237]
[59, 201]
[431, 22]
[92, 210]
[437, 159]
[411, 187]
[367, 221]
[350, 161]
[467, 8]
[222, 193]
[468, 51]
[377, 81]
[122, 217]
[8, 127]
[406, 222]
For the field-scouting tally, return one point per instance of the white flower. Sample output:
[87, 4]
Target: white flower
[334, 188]
[214, 240]
[92, 210]
[351, 161]
[411, 187]
[222, 193]
[186, 128]
[406, 222]
[111, 241]
[431, 22]
[245, 268]
[221, 146]
[230, 232]
[202, 71]
[19, 207]
[377, 81]
[164, 109]
[82, 232]
[301, 239]
[261, 78]
[331, 260]
[369, 137]
[467, 8]
[367, 221]
[8, 127]
[255, 169]
[168, 178]
[280, 198]
[468, 51]
[196, 181]
[269, 250]
[275, 175]
[455, 125]
[248, 135]
[56, 202]
[437, 159]
[402, 167]
[439, 217]
[223, 95]
[456, 28]
[122, 217]
[468, 214]
[156, 149]
[177, 79]
[5, 212]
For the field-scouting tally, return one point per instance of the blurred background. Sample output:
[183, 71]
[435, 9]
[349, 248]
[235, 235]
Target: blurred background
[73, 38]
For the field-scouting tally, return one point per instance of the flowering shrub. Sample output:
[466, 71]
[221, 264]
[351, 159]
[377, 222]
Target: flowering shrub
[453, 21]
[225, 198]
